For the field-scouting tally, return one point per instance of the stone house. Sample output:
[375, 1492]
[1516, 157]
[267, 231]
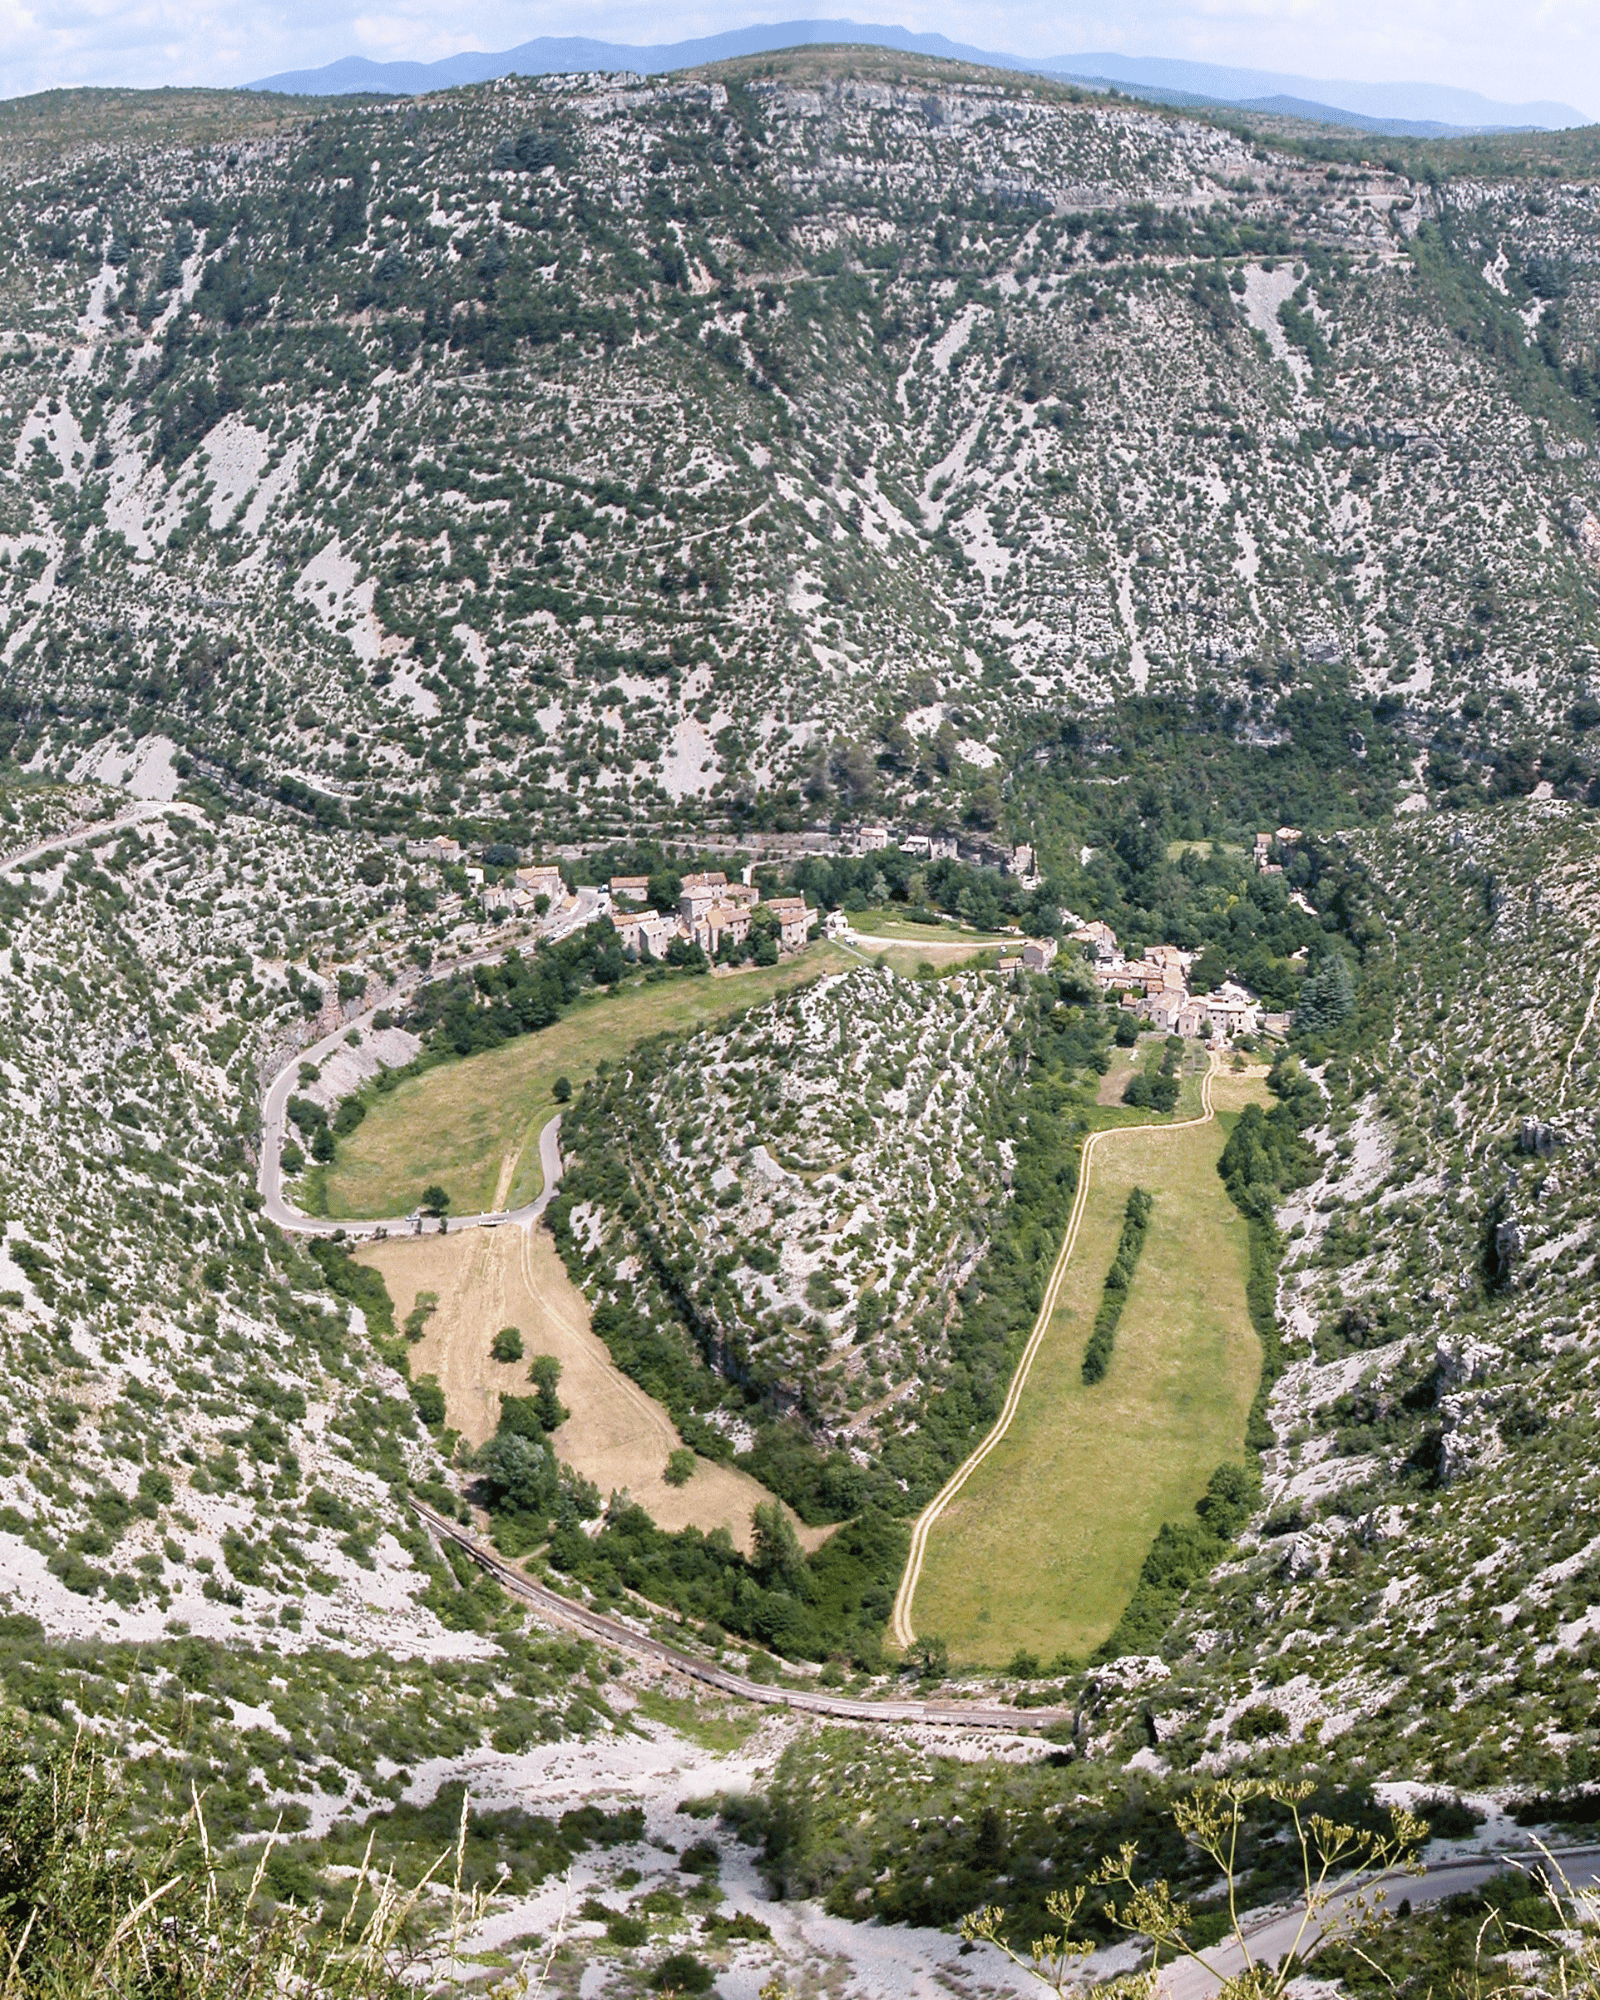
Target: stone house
[1164, 1009]
[648, 934]
[699, 896]
[794, 921]
[722, 922]
[1038, 954]
[543, 879]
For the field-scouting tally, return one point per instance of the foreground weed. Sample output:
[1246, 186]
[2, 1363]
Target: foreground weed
[84, 1909]
[1337, 1897]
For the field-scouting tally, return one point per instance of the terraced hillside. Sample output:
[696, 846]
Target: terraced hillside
[594, 451]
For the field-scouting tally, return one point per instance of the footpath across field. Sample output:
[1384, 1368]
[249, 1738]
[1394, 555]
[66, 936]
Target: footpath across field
[1043, 1546]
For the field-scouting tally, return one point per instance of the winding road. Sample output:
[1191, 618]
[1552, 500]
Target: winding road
[1269, 1934]
[97, 829]
[900, 1627]
[614, 1632]
[276, 1205]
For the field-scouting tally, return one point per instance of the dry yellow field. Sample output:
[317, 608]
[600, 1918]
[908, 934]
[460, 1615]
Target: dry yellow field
[1043, 1546]
[617, 1436]
[473, 1126]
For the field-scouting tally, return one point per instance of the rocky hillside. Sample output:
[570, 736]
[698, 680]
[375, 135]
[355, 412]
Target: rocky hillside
[792, 1205]
[593, 451]
[1420, 1582]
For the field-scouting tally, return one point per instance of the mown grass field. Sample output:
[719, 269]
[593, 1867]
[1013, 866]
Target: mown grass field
[892, 923]
[1043, 1546]
[473, 1125]
[482, 1279]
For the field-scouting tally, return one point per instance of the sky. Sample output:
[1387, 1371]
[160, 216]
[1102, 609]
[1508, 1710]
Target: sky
[1511, 52]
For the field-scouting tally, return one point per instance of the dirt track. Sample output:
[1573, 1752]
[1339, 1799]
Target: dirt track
[901, 1630]
[616, 1435]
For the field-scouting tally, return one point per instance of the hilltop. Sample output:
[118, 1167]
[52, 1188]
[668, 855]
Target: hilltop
[784, 440]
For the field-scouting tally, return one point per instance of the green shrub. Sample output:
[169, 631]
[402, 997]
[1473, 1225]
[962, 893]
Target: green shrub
[1102, 1336]
[429, 1400]
[1260, 1720]
[681, 1972]
[545, 1374]
[507, 1344]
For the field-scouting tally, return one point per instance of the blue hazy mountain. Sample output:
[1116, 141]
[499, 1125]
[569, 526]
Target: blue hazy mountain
[1423, 108]
[1428, 103]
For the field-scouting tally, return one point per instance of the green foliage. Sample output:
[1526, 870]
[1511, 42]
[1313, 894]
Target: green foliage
[1184, 1552]
[423, 1309]
[545, 1374]
[91, 1903]
[1265, 1154]
[776, 1558]
[1151, 1090]
[492, 1004]
[507, 1344]
[835, 1602]
[930, 1656]
[1327, 998]
[518, 1475]
[1102, 1336]
[682, 1972]
[359, 1284]
[428, 1397]
[986, 898]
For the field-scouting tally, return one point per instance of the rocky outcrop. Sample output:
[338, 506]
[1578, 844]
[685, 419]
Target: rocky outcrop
[1584, 530]
[1469, 1439]
[1537, 1137]
[1462, 1360]
[1108, 1685]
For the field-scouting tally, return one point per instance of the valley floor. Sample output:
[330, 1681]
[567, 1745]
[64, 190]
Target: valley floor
[616, 1435]
[1043, 1546]
[472, 1126]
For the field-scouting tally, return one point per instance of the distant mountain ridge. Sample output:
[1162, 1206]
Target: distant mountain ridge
[1411, 109]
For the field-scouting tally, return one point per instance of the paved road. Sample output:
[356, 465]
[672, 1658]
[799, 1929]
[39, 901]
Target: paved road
[900, 1628]
[590, 903]
[1269, 1934]
[78, 836]
[614, 1632]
